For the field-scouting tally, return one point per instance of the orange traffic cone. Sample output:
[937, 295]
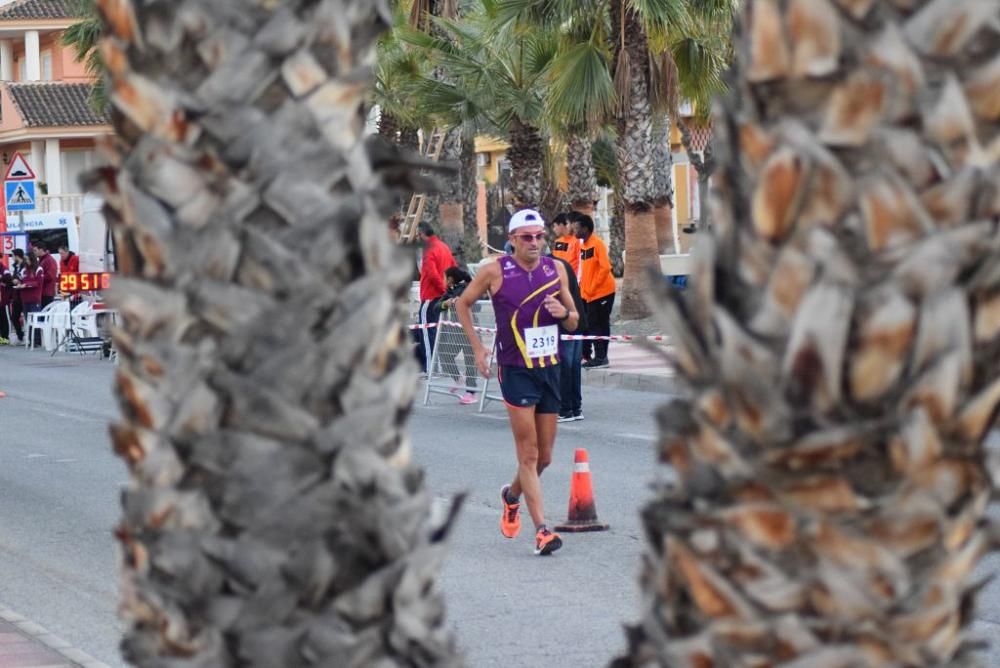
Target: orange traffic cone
[582, 511]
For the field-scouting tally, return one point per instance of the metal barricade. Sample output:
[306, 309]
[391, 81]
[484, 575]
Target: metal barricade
[452, 367]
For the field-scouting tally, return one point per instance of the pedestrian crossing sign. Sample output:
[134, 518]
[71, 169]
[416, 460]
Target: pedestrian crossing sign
[19, 195]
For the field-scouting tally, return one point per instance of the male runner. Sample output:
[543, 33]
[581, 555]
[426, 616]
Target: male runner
[530, 299]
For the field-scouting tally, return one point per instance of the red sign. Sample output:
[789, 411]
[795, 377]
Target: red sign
[84, 282]
[18, 169]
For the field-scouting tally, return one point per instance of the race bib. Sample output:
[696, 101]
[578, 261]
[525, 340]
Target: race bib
[541, 341]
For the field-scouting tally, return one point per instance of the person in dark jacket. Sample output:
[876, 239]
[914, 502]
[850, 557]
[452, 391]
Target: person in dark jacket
[7, 293]
[453, 340]
[16, 306]
[570, 356]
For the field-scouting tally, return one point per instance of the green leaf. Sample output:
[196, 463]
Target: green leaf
[581, 92]
[662, 15]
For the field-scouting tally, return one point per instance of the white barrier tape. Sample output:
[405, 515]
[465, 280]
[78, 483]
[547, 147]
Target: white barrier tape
[581, 467]
[615, 337]
[564, 337]
[478, 329]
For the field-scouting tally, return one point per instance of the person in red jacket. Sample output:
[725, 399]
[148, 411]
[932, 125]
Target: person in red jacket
[29, 286]
[50, 273]
[69, 262]
[437, 257]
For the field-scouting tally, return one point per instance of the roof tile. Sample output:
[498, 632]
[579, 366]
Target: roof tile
[37, 9]
[51, 104]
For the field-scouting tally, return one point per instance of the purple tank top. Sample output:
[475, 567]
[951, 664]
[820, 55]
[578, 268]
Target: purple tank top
[525, 329]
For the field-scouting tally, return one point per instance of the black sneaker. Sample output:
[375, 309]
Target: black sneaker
[565, 417]
[578, 415]
[595, 363]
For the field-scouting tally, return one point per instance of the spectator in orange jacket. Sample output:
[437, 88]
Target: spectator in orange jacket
[437, 257]
[597, 287]
[566, 246]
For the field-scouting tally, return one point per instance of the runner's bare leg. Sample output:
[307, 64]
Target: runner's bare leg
[522, 422]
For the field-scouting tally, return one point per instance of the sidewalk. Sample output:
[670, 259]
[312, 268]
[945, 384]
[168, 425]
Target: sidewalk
[24, 644]
[633, 368]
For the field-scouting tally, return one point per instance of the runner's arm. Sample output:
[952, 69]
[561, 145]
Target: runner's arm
[566, 299]
[480, 284]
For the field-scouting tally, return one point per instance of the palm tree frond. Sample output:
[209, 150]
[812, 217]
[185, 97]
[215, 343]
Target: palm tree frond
[701, 63]
[581, 91]
[662, 15]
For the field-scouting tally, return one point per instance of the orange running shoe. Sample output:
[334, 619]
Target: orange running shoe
[510, 520]
[546, 542]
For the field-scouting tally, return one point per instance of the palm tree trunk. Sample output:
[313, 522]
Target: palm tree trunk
[663, 184]
[581, 178]
[527, 159]
[274, 515]
[616, 240]
[388, 127]
[444, 209]
[840, 343]
[635, 160]
[471, 249]
[409, 138]
[447, 210]
[391, 129]
[553, 198]
[704, 164]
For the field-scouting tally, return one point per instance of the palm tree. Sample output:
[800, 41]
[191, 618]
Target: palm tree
[274, 515]
[397, 69]
[608, 175]
[580, 172]
[840, 344]
[690, 67]
[663, 183]
[494, 85]
[580, 97]
[83, 36]
[702, 56]
[617, 80]
[447, 206]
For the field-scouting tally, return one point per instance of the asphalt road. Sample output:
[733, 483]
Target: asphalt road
[59, 487]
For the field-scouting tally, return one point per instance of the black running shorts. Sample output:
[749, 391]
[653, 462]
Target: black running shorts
[523, 388]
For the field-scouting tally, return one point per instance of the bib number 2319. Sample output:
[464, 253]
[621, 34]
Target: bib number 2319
[541, 341]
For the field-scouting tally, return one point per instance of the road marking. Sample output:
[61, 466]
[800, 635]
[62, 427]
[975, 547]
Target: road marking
[639, 437]
[35, 455]
[65, 461]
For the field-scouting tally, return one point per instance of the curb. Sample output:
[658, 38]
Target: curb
[41, 635]
[635, 381]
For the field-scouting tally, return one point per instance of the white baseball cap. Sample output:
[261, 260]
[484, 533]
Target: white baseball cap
[525, 218]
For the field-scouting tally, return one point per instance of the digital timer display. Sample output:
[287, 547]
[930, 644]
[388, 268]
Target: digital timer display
[84, 282]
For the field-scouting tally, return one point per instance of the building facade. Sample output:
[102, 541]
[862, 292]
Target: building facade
[45, 110]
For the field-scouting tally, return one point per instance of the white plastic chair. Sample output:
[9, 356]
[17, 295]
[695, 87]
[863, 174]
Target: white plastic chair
[48, 321]
[84, 320]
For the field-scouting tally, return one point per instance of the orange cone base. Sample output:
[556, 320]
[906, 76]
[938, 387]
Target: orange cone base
[580, 527]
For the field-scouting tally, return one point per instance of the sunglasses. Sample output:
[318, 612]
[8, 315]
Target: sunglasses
[527, 238]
